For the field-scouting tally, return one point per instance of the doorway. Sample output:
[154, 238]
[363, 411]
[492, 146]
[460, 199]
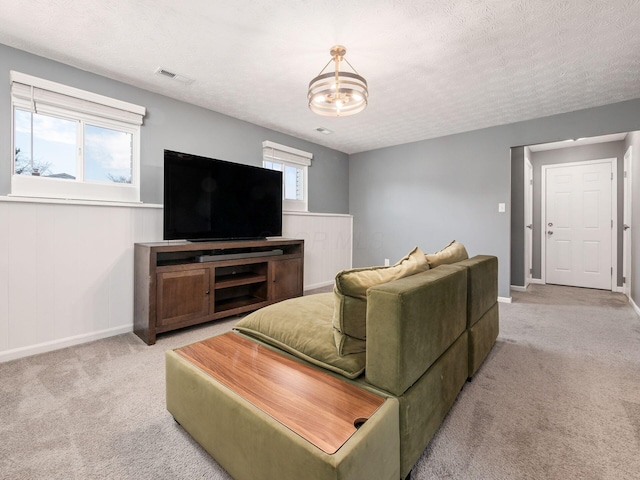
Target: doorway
[578, 224]
[562, 153]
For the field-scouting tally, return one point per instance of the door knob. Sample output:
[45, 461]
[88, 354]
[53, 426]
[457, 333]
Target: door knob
[530, 226]
[550, 232]
[625, 227]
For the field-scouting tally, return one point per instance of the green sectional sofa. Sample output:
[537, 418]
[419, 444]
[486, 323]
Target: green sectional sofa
[425, 334]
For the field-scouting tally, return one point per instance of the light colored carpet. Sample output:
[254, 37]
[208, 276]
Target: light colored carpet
[557, 398]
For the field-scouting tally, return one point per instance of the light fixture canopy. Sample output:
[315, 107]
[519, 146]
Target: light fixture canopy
[338, 94]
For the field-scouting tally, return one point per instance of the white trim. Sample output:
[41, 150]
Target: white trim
[614, 214]
[518, 288]
[62, 343]
[528, 232]
[634, 306]
[60, 201]
[618, 289]
[504, 299]
[316, 214]
[29, 186]
[627, 216]
[318, 285]
[537, 281]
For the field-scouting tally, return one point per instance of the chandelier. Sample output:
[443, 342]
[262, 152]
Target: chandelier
[337, 94]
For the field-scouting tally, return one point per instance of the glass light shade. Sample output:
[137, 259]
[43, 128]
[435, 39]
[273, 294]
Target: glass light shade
[338, 94]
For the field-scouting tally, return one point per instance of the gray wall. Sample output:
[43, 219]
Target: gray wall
[177, 126]
[568, 155]
[517, 219]
[427, 193]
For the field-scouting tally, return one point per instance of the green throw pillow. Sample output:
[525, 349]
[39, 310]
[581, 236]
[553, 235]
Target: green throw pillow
[350, 291]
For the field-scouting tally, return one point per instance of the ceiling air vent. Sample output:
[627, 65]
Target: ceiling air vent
[174, 76]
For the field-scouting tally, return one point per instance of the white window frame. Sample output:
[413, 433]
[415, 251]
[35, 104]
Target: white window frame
[288, 156]
[38, 95]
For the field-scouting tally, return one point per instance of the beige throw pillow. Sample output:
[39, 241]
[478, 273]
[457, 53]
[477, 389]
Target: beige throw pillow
[452, 253]
[350, 292]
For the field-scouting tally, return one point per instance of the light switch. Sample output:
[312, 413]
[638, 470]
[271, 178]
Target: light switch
[501, 208]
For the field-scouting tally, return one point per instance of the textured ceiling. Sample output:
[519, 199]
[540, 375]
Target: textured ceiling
[434, 67]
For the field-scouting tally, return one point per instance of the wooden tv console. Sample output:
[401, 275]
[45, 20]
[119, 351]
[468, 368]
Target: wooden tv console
[178, 284]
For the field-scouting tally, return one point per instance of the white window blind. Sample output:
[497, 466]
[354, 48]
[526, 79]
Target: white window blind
[32, 92]
[282, 153]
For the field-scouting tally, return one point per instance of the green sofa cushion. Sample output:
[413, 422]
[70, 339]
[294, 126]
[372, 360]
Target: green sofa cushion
[348, 345]
[452, 253]
[302, 326]
[350, 290]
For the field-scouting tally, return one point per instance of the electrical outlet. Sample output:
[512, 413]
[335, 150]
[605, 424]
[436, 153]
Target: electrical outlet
[502, 207]
[386, 262]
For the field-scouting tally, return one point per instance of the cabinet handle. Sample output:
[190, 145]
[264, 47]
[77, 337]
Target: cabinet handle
[207, 292]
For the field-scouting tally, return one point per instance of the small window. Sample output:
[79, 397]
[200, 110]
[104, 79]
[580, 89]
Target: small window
[73, 144]
[294, 165]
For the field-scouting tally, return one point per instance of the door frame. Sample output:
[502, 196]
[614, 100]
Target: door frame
[614, 216]
[626, 219]
[528, 205]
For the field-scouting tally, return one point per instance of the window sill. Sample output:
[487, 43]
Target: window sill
[62, 201]
[315, 214]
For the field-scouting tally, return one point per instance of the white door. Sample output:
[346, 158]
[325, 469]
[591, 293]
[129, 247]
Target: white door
[626, 247]
[528, 220]
[579, 225]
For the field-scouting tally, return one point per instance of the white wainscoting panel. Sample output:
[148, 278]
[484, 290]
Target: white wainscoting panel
[328, 244]
[66, 272]
[4, 278]
[66, 269]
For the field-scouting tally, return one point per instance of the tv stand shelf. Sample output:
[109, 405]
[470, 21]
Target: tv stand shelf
[237, 280]
[175, 288]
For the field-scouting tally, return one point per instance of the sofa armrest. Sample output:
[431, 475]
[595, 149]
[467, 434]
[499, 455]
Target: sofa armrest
[411, 322]
[482, 286]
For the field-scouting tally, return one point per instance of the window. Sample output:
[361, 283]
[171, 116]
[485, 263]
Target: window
[294, 166]
[73, 144]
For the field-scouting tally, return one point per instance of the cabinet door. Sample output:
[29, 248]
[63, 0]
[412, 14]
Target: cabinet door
[183, 295]
[286, 279]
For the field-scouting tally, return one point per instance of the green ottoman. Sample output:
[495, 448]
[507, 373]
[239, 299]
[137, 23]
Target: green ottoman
[242, 433]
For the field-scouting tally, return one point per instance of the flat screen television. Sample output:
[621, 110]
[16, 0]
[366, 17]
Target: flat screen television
[210, 199]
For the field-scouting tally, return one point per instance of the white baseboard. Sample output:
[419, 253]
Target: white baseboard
[504, 299]
[518, 288]
[617, 289]
[537, 281]
[635, 306]
[318, 285]
[62, 343]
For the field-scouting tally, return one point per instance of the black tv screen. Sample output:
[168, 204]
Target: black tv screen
[209, 199]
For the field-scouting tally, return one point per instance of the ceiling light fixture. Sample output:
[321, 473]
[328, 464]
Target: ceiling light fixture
[338, 94]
